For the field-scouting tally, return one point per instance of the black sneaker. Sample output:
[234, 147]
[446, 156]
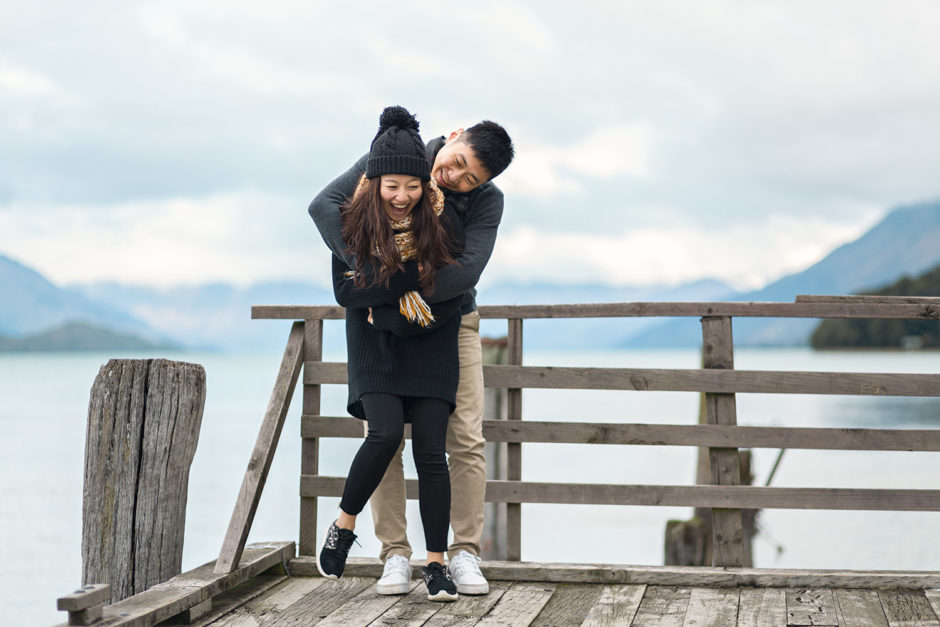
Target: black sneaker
[331, 559]
[440, 586]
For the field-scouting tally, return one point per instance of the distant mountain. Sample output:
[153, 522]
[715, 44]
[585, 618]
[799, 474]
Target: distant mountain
[31, 303]
[215, 315]
[79, 336]
[904, 243]
[862, 333]
[219, 315]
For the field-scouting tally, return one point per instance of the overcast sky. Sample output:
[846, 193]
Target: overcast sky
[178, 142]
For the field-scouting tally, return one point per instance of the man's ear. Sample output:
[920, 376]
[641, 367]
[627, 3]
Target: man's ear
[454, 135]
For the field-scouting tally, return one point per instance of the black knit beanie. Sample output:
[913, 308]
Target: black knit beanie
[397, 147]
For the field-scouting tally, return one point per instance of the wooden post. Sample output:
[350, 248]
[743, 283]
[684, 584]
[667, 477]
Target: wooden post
[310, 447]
[143, 425]
[514, 450]
[728, 546]
[493, 542]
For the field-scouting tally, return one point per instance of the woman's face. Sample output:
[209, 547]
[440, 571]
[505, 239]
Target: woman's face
[400, 194]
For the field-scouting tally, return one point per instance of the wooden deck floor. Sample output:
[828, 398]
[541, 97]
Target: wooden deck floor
[280, 600]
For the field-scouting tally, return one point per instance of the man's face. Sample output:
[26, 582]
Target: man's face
[456, 167]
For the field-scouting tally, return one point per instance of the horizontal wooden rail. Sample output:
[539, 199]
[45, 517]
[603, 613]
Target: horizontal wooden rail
[660, 380]
[530, 431]
[879, 300]
[745, 497]
[810, 309]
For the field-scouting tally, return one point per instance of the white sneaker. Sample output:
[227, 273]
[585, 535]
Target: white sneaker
[396, 578]
[465, 570]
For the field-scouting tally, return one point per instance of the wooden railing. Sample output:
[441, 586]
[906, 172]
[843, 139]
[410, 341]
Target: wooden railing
[717, 380]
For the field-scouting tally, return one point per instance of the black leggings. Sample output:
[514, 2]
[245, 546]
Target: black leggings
[386, 416]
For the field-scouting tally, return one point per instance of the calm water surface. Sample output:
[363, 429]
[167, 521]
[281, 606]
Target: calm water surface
[43, 409]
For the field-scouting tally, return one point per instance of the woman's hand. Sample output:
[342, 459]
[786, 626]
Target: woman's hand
[370, 316]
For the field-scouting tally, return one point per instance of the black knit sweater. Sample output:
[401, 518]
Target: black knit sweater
[392, 355]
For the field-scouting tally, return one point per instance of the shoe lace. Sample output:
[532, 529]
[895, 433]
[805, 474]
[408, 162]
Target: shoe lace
[436, 571]
[344, 539]
[465, 562]
[397, 564]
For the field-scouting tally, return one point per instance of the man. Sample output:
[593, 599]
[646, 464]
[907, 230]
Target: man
[463, 165]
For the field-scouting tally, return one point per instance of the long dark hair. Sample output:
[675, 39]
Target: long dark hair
[369, 236]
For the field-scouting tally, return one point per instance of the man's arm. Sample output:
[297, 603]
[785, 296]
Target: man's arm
[389, 318]
[348, 295]
[325, 209]
[479, 239]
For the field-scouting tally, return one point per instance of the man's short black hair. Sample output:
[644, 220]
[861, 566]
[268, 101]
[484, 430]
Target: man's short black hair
[491, 145]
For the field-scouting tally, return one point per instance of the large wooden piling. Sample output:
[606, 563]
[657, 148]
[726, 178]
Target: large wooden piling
[144, 417]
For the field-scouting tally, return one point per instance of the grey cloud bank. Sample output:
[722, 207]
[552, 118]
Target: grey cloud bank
[172, 142]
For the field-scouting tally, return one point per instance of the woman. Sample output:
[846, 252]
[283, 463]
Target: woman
[402, 358]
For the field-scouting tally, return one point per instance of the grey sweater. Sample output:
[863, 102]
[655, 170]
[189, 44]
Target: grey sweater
[479, 210]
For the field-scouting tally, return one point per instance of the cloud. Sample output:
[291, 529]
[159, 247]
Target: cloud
[745, 256]
[22, 82]
[544, 170]
[239, 237]
[628, 118]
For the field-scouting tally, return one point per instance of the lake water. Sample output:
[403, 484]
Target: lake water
[43, 409]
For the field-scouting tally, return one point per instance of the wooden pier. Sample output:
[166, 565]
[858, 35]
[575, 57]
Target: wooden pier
[252, 587]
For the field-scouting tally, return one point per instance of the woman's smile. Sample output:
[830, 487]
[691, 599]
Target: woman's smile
[400, 193]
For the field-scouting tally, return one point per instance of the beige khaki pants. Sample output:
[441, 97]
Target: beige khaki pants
[465, 457]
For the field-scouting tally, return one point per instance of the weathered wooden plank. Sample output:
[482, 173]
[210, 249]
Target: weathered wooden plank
[310, 447]
[616, 605]
[749, 497]
[233, 600]
[933, 596]
[664, 575]
[260, 462]
[514, 451]
[908, 608]
[714, 381]
[712, 607]
[411, 610]
[887, 300]
[314, 426]
[811, 606]
[285, 595]
[467, 610]
[678, 380]
[364, 608]
[84, 597]
[762, 607]
[926, 311]
[314, 607]
[860, 608]
[662, 606]
[519, 605]
[191, 588]
[568, 606]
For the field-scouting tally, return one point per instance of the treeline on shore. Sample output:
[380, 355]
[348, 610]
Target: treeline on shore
[868, 333]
